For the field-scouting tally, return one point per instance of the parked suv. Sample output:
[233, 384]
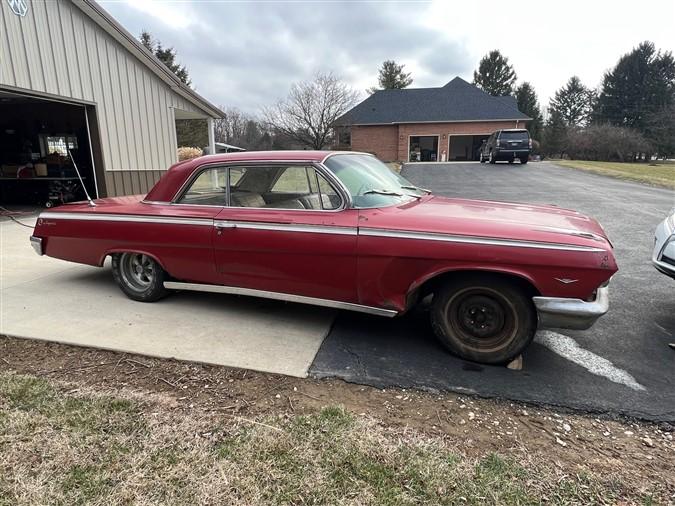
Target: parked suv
[506, 145]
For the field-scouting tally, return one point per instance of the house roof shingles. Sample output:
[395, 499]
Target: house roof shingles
[456, 101]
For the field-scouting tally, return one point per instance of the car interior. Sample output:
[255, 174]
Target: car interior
[294, 187]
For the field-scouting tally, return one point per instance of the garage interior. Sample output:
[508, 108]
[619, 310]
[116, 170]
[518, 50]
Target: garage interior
[35, 166]
[423, 148]
[465, 147]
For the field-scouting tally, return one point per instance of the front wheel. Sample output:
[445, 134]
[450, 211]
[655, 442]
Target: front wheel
[492, 158]
[484, 319]
[139, 276]
[480, 157]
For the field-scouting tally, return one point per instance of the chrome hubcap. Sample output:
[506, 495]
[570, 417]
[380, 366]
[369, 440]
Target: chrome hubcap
[138, 270]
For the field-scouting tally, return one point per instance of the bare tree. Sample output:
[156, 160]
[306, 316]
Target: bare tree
[308, 113]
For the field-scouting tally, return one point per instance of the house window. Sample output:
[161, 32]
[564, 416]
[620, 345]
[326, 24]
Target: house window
[344, 136]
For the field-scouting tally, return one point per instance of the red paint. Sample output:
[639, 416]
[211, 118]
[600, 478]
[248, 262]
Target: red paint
[373, 271]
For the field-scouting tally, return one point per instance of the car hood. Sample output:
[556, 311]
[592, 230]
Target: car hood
[483, 218]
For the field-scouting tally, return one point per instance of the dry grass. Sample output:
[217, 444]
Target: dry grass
[60, 446]
[654, 173]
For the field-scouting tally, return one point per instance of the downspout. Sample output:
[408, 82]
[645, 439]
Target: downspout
[212, 136]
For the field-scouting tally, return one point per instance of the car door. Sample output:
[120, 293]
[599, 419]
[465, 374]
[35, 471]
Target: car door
[287, 229]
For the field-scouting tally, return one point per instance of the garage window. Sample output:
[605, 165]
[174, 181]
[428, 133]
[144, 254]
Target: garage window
[57, 144]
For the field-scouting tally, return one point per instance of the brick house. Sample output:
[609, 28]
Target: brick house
[427, 124]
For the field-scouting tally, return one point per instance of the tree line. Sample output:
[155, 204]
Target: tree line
[630, 115]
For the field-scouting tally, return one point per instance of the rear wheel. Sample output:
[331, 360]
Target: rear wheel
[139, 276]
[480, 157]
[484, 319]
[524, 159]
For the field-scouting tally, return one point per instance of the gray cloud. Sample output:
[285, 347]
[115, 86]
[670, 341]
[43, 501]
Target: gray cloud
[247, 55]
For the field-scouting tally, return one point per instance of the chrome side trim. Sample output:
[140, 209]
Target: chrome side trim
[36, 243]
[284, 227]
[563, 313]
[173, 220]
[466, 239]
[288, 297]
[569, 231]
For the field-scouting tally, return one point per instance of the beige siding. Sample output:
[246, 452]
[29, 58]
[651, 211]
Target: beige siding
[56, 49]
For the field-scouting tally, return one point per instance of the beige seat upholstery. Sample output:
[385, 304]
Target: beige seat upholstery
[312, 201]
[246, 199]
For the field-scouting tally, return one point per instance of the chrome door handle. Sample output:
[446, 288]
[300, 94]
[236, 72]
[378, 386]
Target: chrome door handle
[225, 224]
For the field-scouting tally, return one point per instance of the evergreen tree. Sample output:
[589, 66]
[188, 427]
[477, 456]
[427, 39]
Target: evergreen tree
[528, 104]
[166, 55]
[392, 77]
[494, 75]
[640, 86]
[573, 103]
[554, 136]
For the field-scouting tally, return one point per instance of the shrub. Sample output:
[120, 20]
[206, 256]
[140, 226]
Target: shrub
[187, 153]
[606, 143]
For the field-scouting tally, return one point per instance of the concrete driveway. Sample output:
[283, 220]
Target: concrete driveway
[621, 365]
[48, 299]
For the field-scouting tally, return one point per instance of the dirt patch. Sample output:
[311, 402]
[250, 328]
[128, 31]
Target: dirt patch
[641, 454]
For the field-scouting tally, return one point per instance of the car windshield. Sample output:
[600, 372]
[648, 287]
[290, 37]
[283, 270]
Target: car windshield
[370, 182]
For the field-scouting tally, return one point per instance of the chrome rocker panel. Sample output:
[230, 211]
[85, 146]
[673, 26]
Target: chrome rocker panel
[576, 314]
[234, 290]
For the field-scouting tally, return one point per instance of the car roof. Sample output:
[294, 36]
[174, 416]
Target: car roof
[177, 174]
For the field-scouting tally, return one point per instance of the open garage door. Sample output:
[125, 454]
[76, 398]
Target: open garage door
[423, 148]
[465, 147]
[36, 136]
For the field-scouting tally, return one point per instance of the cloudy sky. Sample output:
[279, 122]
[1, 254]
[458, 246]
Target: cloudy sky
[247, 54]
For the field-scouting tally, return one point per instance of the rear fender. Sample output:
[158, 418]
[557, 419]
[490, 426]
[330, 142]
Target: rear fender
[113, 251]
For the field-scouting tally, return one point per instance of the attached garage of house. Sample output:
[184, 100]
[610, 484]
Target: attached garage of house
[78, 90]
[465, 147]
[427, 124]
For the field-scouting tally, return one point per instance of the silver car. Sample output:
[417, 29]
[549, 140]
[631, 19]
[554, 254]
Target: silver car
[663, 257]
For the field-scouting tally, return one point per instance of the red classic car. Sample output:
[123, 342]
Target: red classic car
[341, 229]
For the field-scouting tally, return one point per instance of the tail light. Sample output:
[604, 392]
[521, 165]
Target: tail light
[529, 143]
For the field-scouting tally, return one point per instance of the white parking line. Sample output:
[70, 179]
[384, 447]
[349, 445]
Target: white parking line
[568, 348]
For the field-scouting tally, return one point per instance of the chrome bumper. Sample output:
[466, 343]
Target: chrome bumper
[36, 242]
[561, 313]
[664, 249]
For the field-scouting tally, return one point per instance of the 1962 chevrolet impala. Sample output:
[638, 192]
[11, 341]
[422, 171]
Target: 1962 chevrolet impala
[340, 229]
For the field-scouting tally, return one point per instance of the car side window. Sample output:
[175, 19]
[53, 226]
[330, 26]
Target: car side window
[281, 187]
[209, 188]
[330, 200]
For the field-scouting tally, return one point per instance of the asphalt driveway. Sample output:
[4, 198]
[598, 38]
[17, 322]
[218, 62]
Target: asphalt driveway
[622, 365]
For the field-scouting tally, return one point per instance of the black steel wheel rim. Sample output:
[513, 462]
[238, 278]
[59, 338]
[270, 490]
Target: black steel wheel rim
[482, 318]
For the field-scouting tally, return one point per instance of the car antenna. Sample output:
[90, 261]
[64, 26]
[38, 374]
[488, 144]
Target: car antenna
[91, 202]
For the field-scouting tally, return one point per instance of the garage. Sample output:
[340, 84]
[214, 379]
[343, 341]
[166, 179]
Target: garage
[76, 86]
[463, 148]
[423, 148]
[41, 142]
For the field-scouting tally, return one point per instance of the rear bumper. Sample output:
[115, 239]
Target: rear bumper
[511, 153]
[562, 313]
[36, 243]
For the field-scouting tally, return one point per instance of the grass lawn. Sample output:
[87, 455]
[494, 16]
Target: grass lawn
[65, 445]
[654, 173]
